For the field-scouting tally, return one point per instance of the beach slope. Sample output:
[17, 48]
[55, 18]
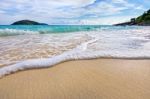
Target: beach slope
[83, 79]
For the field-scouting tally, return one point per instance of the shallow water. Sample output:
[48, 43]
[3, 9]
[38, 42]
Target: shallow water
[27, 47]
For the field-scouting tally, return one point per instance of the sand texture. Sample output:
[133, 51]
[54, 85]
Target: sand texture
[83, 79]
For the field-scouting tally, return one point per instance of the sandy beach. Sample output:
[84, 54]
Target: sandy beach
[83, 79]
[75, 49]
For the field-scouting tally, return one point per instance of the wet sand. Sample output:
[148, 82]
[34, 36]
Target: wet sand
[83, 79]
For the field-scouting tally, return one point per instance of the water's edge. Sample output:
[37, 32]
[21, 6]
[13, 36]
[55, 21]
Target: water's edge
[75, 54]
[113, 42]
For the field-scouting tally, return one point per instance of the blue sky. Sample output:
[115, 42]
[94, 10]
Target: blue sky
[72, 11]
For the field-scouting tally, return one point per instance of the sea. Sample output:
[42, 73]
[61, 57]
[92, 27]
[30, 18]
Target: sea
[40, 46]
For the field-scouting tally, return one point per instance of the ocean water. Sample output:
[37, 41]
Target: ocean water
[27, 47]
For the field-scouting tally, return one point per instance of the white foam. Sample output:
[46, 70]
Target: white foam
[104, 45]
[75, 54]
[13, 32]
[43, 63]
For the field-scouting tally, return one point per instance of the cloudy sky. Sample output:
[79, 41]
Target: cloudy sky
[71, 11]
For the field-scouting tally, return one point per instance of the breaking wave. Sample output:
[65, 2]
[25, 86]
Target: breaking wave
[14, 32]
[11, 30]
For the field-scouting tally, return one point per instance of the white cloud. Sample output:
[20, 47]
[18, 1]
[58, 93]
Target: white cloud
[119, 1]
[63, 11]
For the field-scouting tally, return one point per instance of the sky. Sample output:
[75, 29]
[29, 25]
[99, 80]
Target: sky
[85, 12]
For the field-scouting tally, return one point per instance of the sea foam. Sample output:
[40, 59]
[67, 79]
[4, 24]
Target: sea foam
[14, 32]
[43, 63]
[77, 53]
[129, 44]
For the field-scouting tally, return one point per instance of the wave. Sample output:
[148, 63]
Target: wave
[125, 39]
[14, 32]
[77, 53]
[28, 30]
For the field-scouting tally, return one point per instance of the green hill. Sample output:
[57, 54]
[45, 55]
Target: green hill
[143, 20]
[27, 22]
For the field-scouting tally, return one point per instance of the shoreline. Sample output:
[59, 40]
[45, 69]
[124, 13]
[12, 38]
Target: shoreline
[35, 64]
[81, 79]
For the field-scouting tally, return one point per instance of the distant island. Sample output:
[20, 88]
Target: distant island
[27, 22]
[143, 20]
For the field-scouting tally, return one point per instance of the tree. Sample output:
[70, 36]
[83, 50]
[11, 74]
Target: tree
[148, 11]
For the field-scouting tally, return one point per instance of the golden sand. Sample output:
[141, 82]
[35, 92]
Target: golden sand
[84, 79]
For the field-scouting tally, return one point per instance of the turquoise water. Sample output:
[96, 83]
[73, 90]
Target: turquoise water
[63, 28]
